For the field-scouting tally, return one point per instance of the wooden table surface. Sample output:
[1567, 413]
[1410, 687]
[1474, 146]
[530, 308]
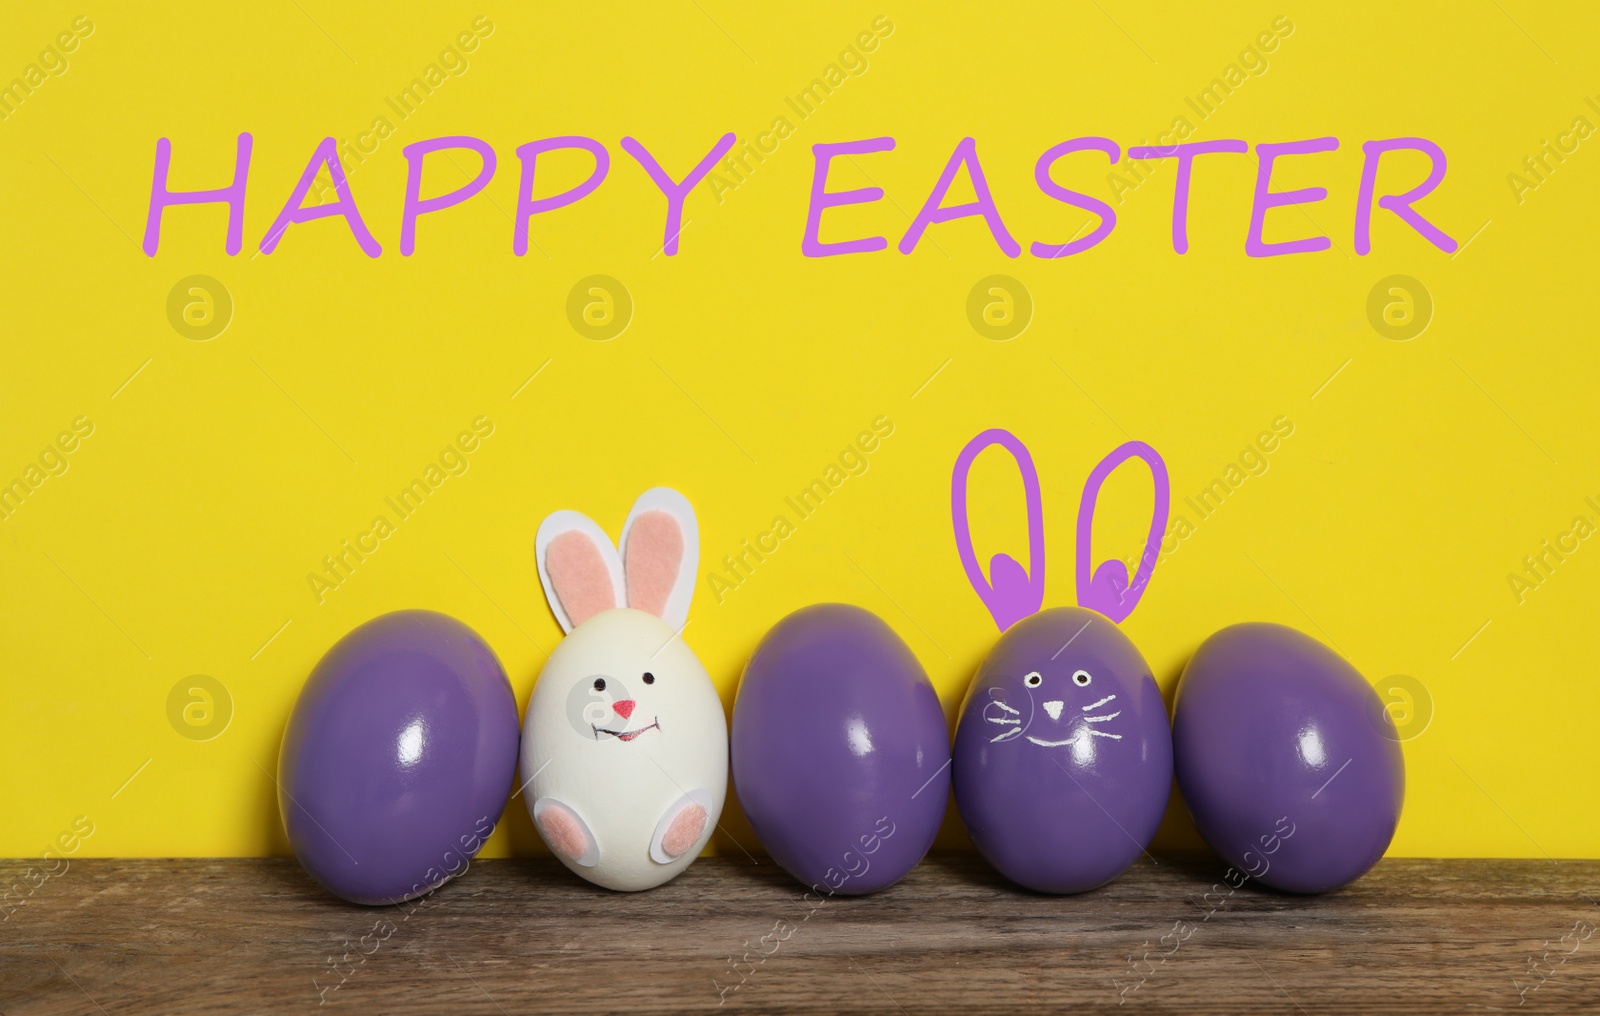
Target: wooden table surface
[517, 936]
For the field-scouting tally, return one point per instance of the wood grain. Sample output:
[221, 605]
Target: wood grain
[515, 936]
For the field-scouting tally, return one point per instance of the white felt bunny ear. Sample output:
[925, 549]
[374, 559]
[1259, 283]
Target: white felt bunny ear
[660, 555]
[580, 569]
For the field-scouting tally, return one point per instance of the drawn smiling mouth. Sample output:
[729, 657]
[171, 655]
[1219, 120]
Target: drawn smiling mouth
[1081, 732]
[1075, 738]
[625, 735]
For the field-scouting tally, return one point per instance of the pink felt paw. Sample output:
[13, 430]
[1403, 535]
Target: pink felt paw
[564, 832]
[684, 831]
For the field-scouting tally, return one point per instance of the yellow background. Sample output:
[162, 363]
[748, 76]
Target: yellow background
[179, 540]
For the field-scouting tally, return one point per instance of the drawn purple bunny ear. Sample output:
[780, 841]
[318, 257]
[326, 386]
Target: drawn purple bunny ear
[1108, 590]
[1010, 592]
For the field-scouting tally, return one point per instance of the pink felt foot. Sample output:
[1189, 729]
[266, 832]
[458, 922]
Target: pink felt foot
[564, 832]
[684, 832]
[681, 827]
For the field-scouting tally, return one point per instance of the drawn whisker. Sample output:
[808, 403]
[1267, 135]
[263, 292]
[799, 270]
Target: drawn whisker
[1100, 733]
[1097, 705]
[1001, 719]
[1102, 719]
[1006, 736]
[1007, 708]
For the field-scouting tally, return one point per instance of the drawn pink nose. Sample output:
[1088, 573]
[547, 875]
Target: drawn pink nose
[624, 708]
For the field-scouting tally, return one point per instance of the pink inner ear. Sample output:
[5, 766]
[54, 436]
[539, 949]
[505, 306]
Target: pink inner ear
[651, 560]
[579, 574]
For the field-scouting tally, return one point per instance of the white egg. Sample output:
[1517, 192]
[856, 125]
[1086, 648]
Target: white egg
[625, 745]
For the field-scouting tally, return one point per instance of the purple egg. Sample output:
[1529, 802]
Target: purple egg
[1063, 756]
[398, 757]
[1287, 758]
[840, 751]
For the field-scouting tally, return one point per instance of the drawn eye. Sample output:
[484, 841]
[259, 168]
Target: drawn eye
[1033, 680]
[1082, 679]
[649, 678]
[599, 684]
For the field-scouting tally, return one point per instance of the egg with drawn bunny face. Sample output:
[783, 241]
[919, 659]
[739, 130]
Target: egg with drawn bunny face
[1063, 752]
[625, 745]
